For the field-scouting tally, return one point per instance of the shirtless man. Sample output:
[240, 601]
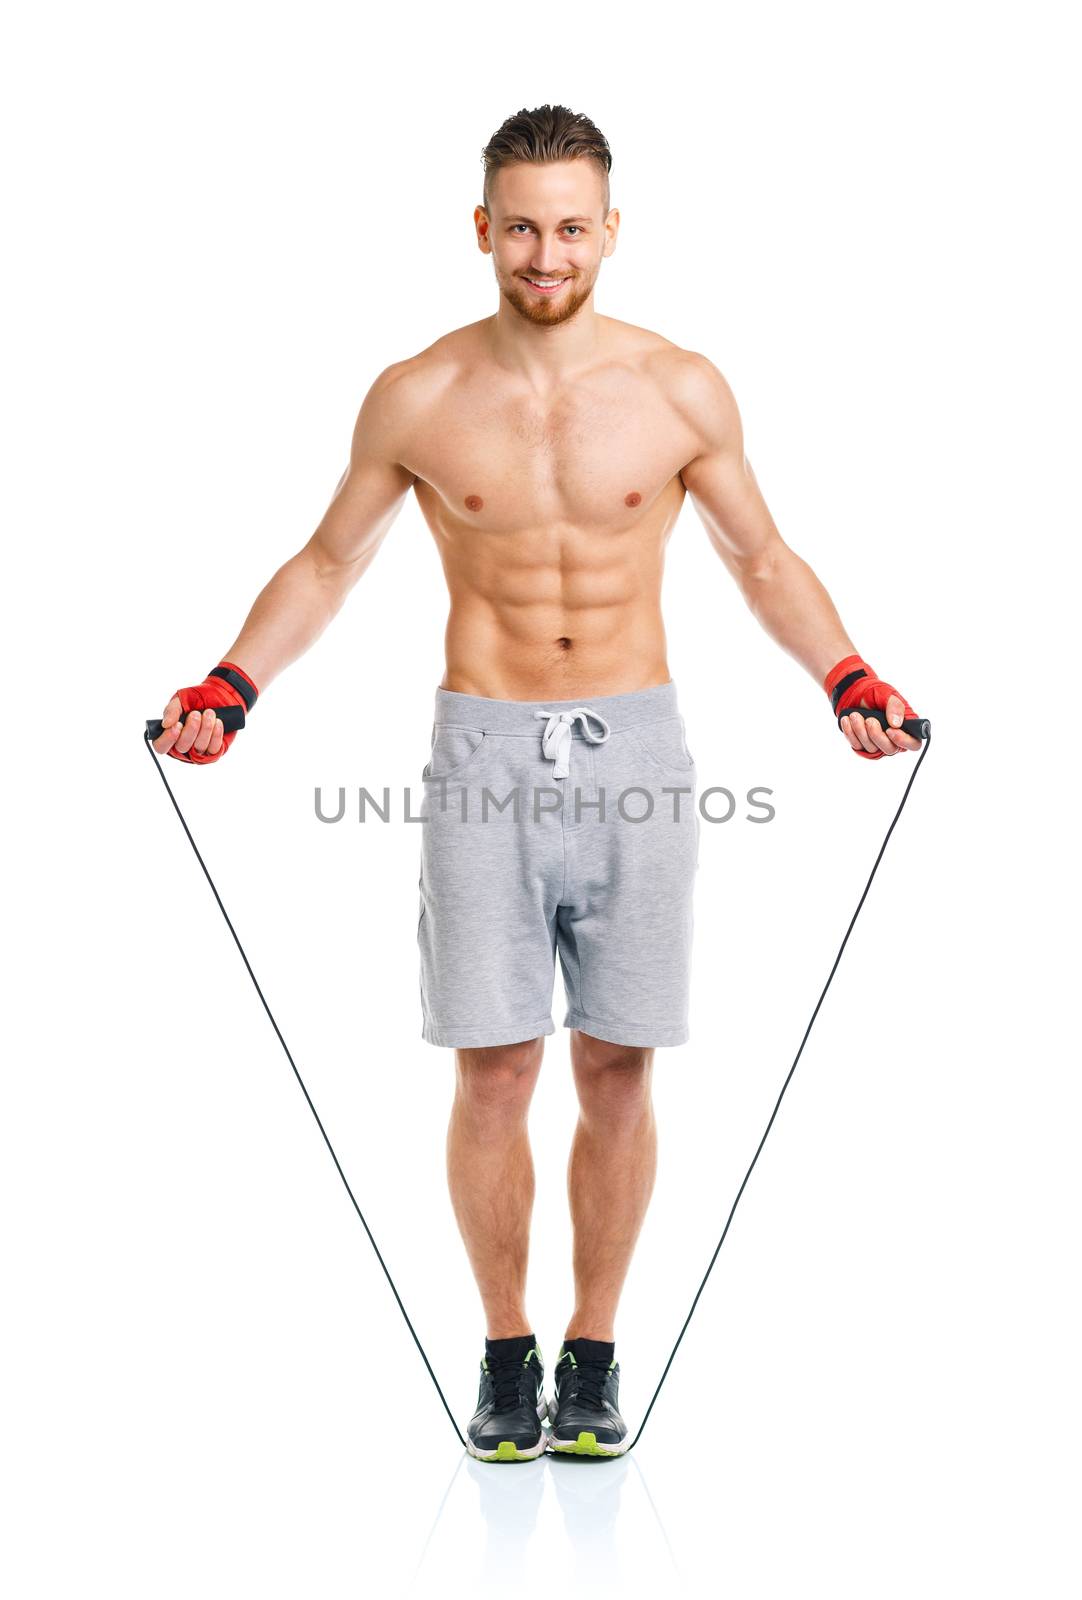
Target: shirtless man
[550, 449]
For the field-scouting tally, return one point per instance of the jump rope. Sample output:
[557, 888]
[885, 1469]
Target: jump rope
[233, 717]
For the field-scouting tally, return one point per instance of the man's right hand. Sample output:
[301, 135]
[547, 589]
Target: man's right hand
[200, 732]
[191, 729]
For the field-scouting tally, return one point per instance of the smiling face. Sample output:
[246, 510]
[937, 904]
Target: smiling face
[547, 230]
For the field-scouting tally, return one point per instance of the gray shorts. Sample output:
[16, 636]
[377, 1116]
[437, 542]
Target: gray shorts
[557, 826]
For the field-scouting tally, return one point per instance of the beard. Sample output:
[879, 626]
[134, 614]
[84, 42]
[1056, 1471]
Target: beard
[548, 311]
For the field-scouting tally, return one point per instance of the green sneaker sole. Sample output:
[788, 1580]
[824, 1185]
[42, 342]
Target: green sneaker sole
[585, 1445]
[507, 1450]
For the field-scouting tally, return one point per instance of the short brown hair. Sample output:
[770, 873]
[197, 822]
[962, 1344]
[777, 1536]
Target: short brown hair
[547, 133]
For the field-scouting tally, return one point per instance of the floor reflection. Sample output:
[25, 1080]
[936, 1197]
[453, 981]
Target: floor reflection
[509, 1508]
[589, 1493]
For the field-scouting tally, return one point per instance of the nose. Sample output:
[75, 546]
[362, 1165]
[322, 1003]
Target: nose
[545, 263]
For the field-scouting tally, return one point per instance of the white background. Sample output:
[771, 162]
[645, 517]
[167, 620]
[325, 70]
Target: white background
[224, 221]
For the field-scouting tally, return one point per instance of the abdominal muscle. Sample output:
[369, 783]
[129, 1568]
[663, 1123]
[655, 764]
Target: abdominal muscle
[489, 655]
[523, 627]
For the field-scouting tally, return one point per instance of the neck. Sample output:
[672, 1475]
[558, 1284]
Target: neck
[544, 355]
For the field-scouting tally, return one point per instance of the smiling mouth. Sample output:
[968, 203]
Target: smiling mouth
[545, 285]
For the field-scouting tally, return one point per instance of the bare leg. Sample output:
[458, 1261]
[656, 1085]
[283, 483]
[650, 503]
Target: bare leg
[610, 1176]
[490, 1174]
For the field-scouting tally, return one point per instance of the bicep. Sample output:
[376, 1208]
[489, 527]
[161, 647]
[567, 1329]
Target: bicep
[721, 483]
[371, 491]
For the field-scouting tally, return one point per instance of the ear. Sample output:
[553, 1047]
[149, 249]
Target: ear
[483, 225]
[612, 228]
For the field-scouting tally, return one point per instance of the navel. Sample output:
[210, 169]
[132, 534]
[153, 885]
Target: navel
[474, 502]
[633, 499]
[564, 643]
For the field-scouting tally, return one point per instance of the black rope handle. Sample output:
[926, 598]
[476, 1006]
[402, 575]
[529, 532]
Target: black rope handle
[922, 729]
[916, 727]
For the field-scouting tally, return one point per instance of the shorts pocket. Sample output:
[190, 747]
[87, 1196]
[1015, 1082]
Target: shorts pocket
[664, 745]
[453, 750]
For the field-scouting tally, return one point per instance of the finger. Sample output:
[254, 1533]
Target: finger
[167, 739]
[904, 741]
[171, 714]
[206, 729]
[188, 733]
[857, 723]
[895, 710]
[218, 738]
[873, 727]
[847, 729]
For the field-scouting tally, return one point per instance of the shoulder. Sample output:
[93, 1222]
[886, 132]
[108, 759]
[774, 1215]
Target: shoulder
[404, 385]
[404, 396]
[636, 349]
[690, 382]
[700, 392]
[406, 389]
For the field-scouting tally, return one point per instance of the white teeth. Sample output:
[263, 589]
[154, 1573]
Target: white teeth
[545, 283]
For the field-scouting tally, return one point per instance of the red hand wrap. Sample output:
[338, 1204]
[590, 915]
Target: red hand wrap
[864, 692]
[216, 691]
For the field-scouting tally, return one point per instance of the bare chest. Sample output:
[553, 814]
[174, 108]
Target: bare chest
[591, 460]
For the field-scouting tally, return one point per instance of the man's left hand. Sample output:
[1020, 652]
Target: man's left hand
[867, 735]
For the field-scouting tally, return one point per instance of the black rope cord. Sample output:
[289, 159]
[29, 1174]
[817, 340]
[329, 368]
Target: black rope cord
[345, 1181]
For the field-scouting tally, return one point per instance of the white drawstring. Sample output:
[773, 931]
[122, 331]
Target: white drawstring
[556, 739]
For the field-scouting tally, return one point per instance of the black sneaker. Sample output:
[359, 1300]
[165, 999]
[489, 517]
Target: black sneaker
[586, 1420]
[510, 1406]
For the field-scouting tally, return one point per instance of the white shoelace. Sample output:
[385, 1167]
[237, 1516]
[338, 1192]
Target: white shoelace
[556, 739]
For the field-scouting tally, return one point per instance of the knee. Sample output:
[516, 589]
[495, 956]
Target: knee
[496, 1084]
[613, 1080]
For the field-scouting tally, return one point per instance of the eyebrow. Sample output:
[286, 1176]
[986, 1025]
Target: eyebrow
[561, 224]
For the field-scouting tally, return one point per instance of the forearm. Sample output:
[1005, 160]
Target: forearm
[789, 602]
[289, 614]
